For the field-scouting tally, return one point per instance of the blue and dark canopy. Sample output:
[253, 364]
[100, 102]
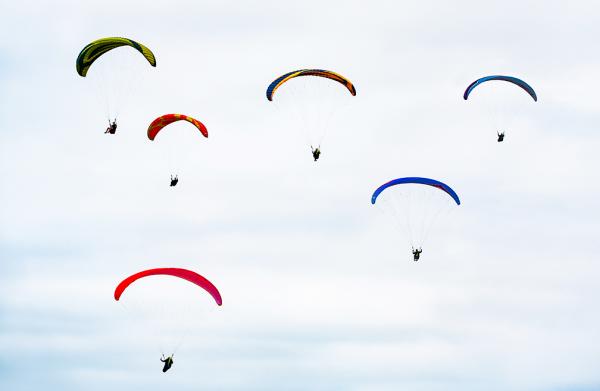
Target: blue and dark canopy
[509, 79]
[417, 180]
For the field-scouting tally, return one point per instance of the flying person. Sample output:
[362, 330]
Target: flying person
[174, 180]
[500, 136]
[112, 127]
[416, 253]
[316, 152]
[168, 362]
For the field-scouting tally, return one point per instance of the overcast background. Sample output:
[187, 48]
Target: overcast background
[319, 289]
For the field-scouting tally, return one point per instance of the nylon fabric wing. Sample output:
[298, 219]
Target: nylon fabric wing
[309, 72]
[158, 124]
[509, 79]
[92, 51]
[185, 274]
[417, 180]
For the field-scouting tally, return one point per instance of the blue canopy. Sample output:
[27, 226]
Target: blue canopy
[418, 180]
[510, 79]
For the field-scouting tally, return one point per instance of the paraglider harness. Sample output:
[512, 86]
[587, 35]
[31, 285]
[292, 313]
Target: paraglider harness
[174, 180]
[168, 362]
[316, 152]
[500, 137]
[112, 127]
[416, 253]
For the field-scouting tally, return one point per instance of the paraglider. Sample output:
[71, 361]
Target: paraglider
[309, 72]
[185, 274]
[415, 203]
[510, 79]
[497, 116]
[161, 122]
[312, 100]
[115, 75]
[417, 253]
[112, 127]
[316, 152]
[416, 180]
[168, 362]
[92, 51]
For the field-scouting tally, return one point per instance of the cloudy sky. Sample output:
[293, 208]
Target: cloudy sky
[319, 289]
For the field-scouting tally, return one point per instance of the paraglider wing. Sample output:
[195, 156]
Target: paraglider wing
[188, 275]
[167, 119]
[509, 79]
[92, 51]
[309, 72]
[418, 180]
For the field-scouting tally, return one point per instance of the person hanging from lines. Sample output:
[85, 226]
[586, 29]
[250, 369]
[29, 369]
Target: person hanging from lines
[168, 362]
[316, 152]
[174, 180]
[192, 277]
[416, 253]
[112, 127]
[500, 137]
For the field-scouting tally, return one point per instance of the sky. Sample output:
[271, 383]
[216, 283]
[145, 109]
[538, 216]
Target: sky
[319, 289]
